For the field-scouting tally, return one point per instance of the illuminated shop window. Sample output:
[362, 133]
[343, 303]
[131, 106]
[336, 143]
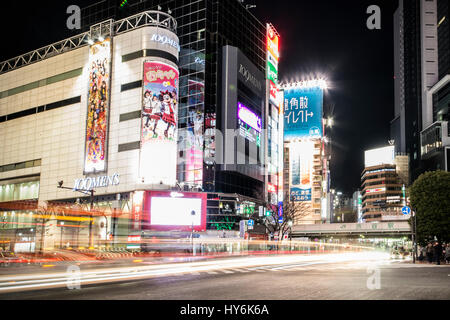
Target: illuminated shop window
[19, 191]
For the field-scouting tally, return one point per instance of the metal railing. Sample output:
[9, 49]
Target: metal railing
[104, 29]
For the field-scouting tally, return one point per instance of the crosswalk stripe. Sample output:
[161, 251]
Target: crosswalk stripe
[212, 272]
[226, 271]
[241, 270]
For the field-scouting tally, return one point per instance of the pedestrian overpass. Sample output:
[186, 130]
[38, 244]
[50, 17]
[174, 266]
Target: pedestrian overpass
[374, 229]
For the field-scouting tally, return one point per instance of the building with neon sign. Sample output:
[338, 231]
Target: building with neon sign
[125, 90]
[306, 164]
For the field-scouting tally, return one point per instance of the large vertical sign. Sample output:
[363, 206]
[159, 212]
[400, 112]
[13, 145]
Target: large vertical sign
[136, 214]
[195, 137]
[159, 132]
[301, 170]
[273, 56]
[98, 107]
[303, 113]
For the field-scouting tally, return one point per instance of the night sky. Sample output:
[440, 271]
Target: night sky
[319, 38]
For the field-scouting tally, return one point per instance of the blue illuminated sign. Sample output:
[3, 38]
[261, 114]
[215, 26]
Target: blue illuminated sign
[303, 113]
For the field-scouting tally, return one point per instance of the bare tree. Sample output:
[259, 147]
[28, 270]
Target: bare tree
[292, 212]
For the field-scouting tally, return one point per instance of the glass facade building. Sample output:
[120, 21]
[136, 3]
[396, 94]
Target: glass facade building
[204, 28]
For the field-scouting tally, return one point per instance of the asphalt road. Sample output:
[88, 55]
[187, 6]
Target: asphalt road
[299, 281]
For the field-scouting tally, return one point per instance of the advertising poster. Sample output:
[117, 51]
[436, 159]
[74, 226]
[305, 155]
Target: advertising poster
[210, 138]
[98, 107]
[301, 171]
[194, 143]
[303, 113]
[250, 124]
[159, 131]
[175, 211]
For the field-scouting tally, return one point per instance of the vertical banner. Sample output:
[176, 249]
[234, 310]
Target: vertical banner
[301, 171]
[137, 210]
[194, 161]
[273, 56]
[98, 107]
[159, 129]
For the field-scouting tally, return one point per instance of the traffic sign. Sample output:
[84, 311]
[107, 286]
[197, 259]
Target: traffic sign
[280, 220]
[406, 211]
[251, 223]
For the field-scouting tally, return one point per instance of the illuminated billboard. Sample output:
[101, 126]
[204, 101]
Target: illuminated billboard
[273, 56]
[195, 138]
[159, 129]
[301, 170]
[175, 211]
[96, 147]
[303, 113]
[250, 124]
[377, 157]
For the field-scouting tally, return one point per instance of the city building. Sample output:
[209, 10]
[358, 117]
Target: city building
[383, 184]
[306, 174]
[435, 138]
[119, 148]
[357, 204]
[421, 58]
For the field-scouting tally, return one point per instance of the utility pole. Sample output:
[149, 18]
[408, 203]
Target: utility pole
[91, 221]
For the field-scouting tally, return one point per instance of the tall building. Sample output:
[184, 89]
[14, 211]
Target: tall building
[435, 138]
[421, 57]
[383, 184]
[357, 204]
[188, 77]
[306, 174]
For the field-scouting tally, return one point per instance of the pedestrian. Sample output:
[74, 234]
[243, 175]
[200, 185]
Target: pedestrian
[422, 254]
[430, 253]
[447, 254]
[437, 253]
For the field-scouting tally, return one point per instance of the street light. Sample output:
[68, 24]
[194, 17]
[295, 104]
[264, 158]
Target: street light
[91, 194]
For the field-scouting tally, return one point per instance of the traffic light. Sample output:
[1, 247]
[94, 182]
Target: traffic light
[268, 214]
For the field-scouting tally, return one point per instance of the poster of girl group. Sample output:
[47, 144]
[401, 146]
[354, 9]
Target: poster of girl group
[159, 128]
[160, 105]
[98, 105]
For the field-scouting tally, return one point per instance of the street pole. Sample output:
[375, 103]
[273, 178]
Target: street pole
[415, 237]
[91, 238]
[290, 240]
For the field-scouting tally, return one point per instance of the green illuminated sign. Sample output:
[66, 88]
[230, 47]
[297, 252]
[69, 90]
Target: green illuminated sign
[272, 73]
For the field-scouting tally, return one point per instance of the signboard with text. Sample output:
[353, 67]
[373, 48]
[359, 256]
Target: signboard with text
[303, 113]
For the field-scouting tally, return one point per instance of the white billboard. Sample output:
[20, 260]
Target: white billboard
[176, 212]
[380, 156]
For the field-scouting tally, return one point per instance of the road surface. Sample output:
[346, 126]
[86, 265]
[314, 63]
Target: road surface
[328, 277]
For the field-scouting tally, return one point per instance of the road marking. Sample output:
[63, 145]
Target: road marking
[212, 272]
[195, 273]
[259, 270]
[227, 271]
[241, 270]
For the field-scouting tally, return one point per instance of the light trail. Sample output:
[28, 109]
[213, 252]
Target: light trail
[61, 279]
